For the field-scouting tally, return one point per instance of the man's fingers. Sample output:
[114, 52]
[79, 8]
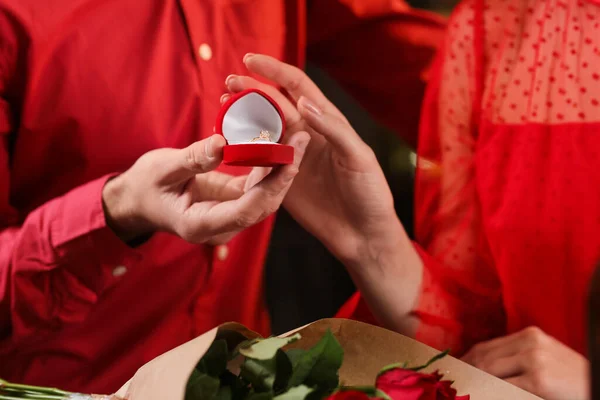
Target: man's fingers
[221, 239]
[271, 190]
[224, 98]
[239, 83]
[338, 132]
[256, 175]
[198, 158]
[218, 186]
[292, 79]
[209, 219]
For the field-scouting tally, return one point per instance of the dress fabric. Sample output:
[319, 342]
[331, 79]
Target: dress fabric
[507, 210]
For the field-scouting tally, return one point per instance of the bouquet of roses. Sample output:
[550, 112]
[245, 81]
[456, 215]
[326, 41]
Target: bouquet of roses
[331, 359]
[268, 372]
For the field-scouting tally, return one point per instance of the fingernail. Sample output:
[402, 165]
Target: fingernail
[302, 145]
[209, 148]
[310, 107]
[229, 80]
[224, 98]
[248, 56]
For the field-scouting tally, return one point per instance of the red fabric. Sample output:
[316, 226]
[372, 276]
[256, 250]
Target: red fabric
[507, 212]
[86, 87]
[258, 155]
[349, 395]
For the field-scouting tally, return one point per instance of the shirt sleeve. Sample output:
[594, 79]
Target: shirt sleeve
[379, 51]
[461, 300]
[53, 261]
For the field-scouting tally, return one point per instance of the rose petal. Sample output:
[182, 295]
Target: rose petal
[348, 395]
[402, 384]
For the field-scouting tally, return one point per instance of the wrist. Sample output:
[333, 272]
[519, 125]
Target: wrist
[120, 211]
[389, 275]
[383, 248]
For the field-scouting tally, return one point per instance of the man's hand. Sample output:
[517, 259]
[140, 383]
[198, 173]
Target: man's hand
[535, 362]
[176, 191]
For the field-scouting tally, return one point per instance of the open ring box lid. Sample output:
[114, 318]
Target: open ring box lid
[253, 125]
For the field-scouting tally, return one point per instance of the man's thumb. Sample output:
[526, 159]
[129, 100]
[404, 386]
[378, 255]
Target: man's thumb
[198, 158]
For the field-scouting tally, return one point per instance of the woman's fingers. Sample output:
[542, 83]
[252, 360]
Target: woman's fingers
[335, 130]
[319, 113]
[239, 83]
[507, 346]
[521, 381]
[290, 78]
[505, 367]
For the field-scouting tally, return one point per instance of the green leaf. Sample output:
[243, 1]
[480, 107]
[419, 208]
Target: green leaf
[295, 393]
[268, 375]
[294, 355]
[260, 374]
[239, 387]
[434, 359]
[246, 343]
[225, 393]
[283, 371]
[260, 396]
[405, 365]
[319, 365]
[201, 386]
[390, 367]
[380, 394]
[214, 362]
[265, 349]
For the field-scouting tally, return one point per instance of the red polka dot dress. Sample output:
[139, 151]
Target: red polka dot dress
[508, 181]
[508, 187]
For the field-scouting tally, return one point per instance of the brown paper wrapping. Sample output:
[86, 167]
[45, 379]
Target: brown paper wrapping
[367, 349]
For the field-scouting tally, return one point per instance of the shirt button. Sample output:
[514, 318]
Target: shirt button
[222, 252]
[205, 52]
[119, 271]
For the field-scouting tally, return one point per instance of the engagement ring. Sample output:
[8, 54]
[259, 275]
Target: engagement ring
[264, 136]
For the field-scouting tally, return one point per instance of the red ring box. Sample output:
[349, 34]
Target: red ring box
[253, 125]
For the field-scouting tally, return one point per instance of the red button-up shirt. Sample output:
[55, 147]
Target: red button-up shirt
[88, 86]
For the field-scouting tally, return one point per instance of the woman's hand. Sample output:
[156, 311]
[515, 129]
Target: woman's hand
[535, 362]
[340, 195]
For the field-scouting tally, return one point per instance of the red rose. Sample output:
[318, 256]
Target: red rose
[349, 395]
[404, 384]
